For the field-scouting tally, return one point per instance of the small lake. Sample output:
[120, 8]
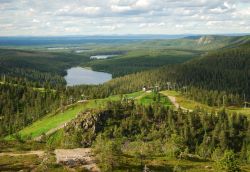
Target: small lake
[101, 56]
[79, 76]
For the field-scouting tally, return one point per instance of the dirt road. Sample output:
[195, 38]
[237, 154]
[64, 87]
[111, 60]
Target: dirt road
[176, 104]
[38, 153]
[53, 130]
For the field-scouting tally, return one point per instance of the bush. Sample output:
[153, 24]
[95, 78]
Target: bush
[229, 162]
[107, 152]
[178, 168]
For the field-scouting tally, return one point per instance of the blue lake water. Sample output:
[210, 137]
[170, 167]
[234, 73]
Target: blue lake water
[79, 76]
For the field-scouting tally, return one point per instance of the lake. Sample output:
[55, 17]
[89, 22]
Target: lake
[79, 76]
[101, 56]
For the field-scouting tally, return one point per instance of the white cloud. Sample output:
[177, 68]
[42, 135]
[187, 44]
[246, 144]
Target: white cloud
[35, 21]
[74, 10]
[120, 9]
[72, 29]
[142, 4]
[110, 27]
[123, 16]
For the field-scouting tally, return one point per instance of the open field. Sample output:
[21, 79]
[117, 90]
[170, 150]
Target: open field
[53, 121]
[50, 121]
[190, 104]
[150, 98]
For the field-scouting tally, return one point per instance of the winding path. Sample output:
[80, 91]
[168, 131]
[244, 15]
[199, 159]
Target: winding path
[39, 153]
[176, 104]
[53, 130]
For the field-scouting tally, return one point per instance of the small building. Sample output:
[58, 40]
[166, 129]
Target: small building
[151, 89]
[147, 89]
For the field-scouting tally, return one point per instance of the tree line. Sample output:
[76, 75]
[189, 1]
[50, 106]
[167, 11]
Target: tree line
[126, 126]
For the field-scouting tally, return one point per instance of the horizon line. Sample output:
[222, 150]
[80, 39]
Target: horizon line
[105, 35]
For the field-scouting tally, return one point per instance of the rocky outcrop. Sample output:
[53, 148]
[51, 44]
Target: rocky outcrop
[80, 157]
[204, 40]
[86, 126]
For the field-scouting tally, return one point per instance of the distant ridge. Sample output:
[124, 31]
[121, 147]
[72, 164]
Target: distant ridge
[84, 39]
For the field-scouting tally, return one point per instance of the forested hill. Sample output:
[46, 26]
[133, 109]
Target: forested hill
[222, 70]
[39, 68]
[205, 42]
[227, 69]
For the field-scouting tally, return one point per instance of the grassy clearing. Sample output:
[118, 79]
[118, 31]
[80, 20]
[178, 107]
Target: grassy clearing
[55, 138]
[150, 98]
[190, 104]
[48, 122]
[53, 121]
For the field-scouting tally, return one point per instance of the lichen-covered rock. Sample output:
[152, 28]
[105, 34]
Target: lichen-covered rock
[85, 127]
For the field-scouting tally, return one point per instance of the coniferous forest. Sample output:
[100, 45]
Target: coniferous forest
[127, 128]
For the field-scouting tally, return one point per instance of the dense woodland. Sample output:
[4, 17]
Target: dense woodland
[141, 60]
[214, 98]
[159, 131]
[39, 68]
[225, 70]
[32, 85]
[22, 105]
[32, 88]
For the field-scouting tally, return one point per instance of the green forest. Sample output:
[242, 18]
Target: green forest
[129, 129]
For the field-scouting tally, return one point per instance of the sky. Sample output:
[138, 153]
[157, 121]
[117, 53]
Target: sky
[107, 17]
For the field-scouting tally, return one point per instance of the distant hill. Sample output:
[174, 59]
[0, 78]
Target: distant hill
[226, 69]
[95, 39]
[205, 42]
[162, 39]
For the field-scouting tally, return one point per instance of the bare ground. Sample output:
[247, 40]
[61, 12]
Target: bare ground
[83, 154]
[38, 153]
[176, 104]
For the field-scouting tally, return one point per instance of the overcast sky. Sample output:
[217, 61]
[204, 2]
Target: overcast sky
[90, 17]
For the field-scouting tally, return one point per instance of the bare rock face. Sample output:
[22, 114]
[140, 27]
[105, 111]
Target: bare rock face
[87, 125]
[204, 40]
[71, 163]
[80, 157]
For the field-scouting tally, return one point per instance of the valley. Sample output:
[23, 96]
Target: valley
[162, 105]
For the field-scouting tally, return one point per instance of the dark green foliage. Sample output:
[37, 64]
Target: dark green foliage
[107, 152]
[31, 85]
[40, 68]
[214, 98]
[229, 162]
[194, 132]
[21, 105]
[141, 60]
[224, 70]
